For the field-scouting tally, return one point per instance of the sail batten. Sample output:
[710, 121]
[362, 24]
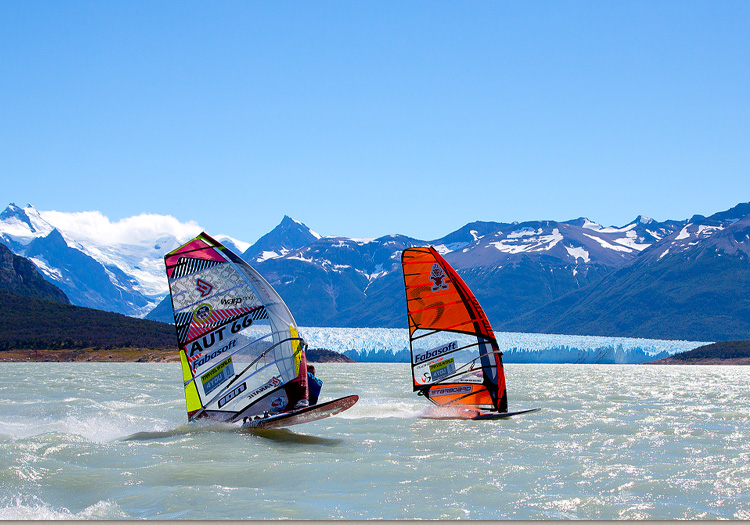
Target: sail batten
[467, 370]
[239, 347]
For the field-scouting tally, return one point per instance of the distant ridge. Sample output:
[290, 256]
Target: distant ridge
[676, 279]
[693, 284]
[19, 276]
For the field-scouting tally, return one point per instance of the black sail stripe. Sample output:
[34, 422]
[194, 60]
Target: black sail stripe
[187, 265]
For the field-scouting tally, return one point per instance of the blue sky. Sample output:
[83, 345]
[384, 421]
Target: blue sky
[364, 119]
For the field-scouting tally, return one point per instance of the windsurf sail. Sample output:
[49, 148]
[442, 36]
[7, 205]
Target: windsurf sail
[455, 358]
[240, 350]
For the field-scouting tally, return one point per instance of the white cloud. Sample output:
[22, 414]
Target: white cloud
[95, 227]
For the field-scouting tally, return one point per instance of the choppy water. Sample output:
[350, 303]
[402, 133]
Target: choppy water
[109, 441]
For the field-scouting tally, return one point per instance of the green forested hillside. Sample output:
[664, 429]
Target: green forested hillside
[30, 323]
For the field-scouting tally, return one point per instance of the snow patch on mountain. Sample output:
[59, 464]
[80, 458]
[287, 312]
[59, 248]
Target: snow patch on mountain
[591, 225]
[300, 257]
[612, 229]
[442, 249]
[533, 241]
[631, 241]
[578, 253]
[23, 225]
[313, 233]
[523, 233]
[270, 255]
[684, 233]
[706, 230]
[607, 245]
[46, 269]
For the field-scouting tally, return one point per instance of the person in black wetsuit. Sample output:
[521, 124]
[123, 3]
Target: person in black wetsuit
[314, 385]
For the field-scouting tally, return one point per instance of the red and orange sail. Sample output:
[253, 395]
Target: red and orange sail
[455, 357]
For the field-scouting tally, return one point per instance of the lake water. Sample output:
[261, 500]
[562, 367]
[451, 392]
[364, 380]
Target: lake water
[109, 441]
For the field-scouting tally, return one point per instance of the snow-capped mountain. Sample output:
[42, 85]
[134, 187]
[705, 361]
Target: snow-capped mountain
[288, 236]
[117, 267]
[578, 242]
[692, 284]
[514, 268]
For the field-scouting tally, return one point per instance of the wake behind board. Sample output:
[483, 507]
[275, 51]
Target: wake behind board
[470, 413]
[302, 415]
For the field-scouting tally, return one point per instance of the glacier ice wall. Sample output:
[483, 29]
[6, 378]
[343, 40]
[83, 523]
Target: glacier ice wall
[365, 344]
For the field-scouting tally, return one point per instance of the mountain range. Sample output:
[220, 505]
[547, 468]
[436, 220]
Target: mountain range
[677, 279]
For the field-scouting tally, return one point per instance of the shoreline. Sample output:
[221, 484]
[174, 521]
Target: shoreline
[131, 355]
[736, 361]
[170, 355]
[123, 355]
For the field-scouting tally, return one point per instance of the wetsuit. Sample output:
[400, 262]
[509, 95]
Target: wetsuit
[314, 386]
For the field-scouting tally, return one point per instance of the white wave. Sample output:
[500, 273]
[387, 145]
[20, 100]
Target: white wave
[33, 508]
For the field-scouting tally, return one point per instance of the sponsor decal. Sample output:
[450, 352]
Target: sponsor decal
[277, 403]
[203, 287]
[449, 391]
[442, 369]
[217, 336]
[201, 360]
[242, 323]
[233, 301]
[217, 375]
[435, 352]
[207, 341]
[437, 276]
[231, 395]
[202, 313]
[272, 383]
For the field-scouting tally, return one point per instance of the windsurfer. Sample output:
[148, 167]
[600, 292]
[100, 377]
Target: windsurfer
[314, 385]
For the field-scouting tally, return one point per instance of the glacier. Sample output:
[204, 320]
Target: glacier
[392, 344]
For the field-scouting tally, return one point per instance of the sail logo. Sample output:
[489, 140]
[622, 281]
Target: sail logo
[208, 341]
[272, 383]
[203, 287]
[203, 359]
[437, 276]
[217, 375]
[435, 352]
[450, 391]
[442, 369]
[231, 395]
[202, 313]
